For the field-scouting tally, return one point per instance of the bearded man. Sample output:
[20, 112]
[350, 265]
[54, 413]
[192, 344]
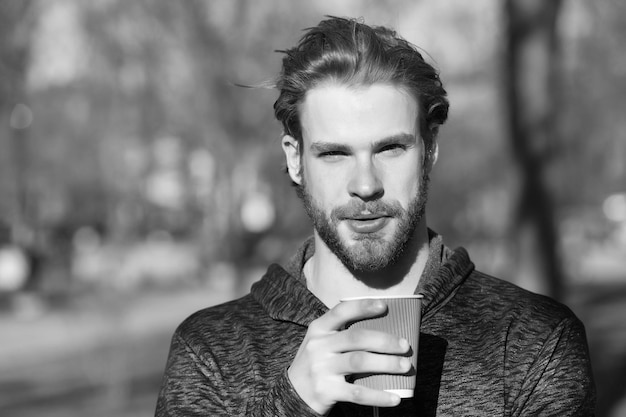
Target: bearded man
[360, 110]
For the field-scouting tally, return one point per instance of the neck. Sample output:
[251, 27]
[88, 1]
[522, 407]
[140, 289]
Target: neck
[330, 281]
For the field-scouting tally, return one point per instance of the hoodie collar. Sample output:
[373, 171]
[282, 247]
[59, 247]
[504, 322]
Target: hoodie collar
[284, 294]
[283, 291]
[442, 280]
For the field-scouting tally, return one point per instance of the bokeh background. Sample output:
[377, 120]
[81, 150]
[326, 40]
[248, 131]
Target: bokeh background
[139, 184]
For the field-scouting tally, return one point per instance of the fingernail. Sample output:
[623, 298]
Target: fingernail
[404, 344]
[394, 400]
[377, 305]
[405, 363]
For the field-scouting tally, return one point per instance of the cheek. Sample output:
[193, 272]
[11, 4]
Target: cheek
[323, 171]
[403, 178]
[322, 183]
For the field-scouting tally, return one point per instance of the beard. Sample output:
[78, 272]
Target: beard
[371, 252]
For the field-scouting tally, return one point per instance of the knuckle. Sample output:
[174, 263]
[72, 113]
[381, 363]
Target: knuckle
[314, 327]
[315, 345]
[317, 370]
[357, 361]
[355, 336]
[391, 343]
[356, 395]
[310, 349]
[335, 312]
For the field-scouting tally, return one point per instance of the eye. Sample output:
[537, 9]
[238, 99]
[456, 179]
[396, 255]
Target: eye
[331, 155]
[393, 149]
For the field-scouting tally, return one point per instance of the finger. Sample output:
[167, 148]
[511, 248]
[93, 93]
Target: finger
[361, 395]
[346, 312]
[369, 340]
[369, 363]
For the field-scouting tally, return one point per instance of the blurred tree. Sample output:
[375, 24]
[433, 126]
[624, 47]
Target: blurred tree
[595, 92]
[15, 115]
[531, 92]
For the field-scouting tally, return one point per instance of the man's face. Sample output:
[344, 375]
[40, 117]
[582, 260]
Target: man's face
[361, 171]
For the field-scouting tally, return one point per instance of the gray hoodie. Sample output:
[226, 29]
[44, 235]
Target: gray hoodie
[487, 348]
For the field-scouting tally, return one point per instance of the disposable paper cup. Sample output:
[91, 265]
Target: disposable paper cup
[402, 319]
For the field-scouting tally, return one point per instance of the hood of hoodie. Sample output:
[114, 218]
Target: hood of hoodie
[284, 295]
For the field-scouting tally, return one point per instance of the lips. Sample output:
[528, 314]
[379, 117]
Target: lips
[367, 223]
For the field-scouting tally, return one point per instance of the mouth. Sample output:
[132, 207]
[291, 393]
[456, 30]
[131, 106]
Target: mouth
[367, 223]
[368, 216]
[364, 215]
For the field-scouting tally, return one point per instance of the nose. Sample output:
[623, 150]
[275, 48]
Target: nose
[365, 182]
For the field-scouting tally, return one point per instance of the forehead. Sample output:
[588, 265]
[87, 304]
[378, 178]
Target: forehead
[333, 111]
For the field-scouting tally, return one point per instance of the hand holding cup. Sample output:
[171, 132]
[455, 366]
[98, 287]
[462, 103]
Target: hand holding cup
[330, 352]
[402, 319]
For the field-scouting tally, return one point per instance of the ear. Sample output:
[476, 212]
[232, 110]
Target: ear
[431, 158]
[292, 156]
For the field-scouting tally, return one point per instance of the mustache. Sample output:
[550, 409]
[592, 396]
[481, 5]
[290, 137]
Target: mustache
[357, 207]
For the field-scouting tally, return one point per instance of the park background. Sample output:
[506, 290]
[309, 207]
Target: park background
[139, 184]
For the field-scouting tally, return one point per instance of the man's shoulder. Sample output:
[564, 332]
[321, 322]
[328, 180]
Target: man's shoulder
[498, 296]
[221, 319]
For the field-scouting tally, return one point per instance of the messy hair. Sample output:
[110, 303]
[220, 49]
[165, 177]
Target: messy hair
[349, 52]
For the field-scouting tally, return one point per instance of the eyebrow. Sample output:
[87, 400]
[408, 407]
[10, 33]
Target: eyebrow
[402, 138]
[322, 147]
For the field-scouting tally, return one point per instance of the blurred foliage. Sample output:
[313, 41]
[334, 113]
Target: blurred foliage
[121, 120]
[130, 159]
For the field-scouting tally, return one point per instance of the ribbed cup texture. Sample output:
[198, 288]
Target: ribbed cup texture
[402, 319]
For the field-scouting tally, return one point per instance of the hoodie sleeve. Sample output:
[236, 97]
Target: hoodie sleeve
[194, 385]
[559, 381]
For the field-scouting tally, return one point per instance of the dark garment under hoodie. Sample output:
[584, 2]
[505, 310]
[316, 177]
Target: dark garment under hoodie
[487, 348]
